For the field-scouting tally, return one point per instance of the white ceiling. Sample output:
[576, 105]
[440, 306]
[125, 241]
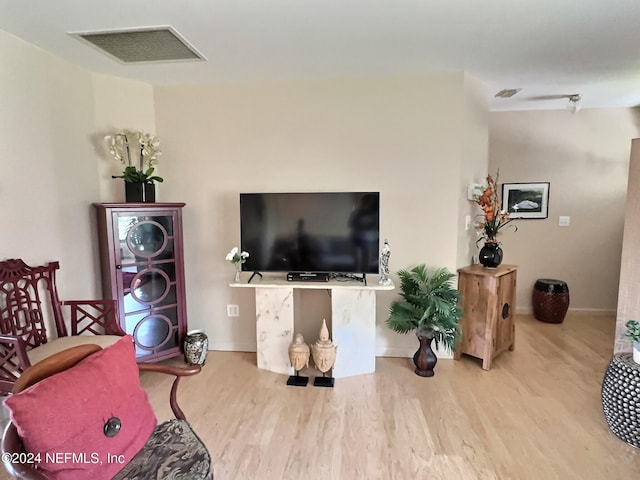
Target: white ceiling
[545, 47]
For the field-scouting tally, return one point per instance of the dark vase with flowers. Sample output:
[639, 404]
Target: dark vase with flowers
[490, 255]
[494, 220]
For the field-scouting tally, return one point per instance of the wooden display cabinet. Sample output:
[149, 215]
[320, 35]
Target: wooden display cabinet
[143, 270]
[488, 302]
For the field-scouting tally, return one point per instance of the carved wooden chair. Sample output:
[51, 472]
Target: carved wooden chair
[30, 310]
[118, 437]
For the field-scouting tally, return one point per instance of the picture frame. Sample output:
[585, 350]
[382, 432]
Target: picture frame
[526, 200]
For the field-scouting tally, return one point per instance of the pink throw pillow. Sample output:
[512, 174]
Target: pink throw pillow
[64, 420]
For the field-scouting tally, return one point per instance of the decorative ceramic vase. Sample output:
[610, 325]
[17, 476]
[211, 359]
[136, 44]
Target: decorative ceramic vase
[424, 359]
[196, 345]
[490, 255]
[384, 264]
[636, 352]
[139, 192]
[550, 300]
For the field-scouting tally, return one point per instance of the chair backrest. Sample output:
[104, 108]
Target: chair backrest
[54, 364]
[28, 297]
[11, 443]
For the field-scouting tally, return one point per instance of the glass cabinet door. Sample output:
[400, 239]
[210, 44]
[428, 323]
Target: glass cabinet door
[146, 280]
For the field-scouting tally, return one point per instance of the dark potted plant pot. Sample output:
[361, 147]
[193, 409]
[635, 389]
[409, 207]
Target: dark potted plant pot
[425, 359]
[139, 192]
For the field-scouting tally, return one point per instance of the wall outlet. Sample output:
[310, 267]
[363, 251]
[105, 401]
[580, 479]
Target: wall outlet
[233, 310]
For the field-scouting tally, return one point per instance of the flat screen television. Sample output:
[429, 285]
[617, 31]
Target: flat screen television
[332, 232]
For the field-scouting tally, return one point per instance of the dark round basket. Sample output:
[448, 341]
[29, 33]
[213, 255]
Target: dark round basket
[550, 300]
[621, 398]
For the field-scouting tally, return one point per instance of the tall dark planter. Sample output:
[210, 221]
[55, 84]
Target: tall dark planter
[424, 358]
[490, 255]
[139, 192]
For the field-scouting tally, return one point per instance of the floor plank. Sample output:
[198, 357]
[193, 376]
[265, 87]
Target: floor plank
[536, 414]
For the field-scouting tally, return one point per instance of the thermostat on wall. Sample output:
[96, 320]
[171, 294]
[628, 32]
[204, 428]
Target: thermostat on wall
[474, 190]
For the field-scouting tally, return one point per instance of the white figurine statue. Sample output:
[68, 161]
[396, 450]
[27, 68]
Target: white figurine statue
[299, 353]
[384, 264]
[324, 351]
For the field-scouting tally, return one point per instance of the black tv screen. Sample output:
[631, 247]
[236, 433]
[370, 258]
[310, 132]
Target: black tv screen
[335, 232]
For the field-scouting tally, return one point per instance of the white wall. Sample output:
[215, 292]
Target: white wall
[399, 136]
[119, 104]
[418, 140]
[53, 162]
[474, 144]
[48, 172]
[585, 157]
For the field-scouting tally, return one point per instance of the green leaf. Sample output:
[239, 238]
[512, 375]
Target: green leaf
[429, 302]
[633, 331]
[132, 175]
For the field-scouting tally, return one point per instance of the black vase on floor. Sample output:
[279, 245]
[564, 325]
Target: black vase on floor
[139, 192]
[424, 359]
[490, 255]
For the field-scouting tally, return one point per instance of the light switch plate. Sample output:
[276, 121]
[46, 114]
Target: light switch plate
[564, 221]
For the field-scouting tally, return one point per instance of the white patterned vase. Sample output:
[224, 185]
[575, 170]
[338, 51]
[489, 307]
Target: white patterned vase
[196, 345]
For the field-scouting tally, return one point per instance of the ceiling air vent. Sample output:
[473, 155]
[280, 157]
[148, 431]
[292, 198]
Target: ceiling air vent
[155, 44]
[507, 92]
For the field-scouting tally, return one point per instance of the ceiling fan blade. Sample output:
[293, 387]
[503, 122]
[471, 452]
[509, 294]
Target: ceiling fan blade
[548, 97]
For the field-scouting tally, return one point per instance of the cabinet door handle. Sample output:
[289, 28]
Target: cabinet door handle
[118, 267]
[505, 310]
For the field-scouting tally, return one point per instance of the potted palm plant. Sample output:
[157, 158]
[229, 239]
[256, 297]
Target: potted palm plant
[430, 307]
[633, 334]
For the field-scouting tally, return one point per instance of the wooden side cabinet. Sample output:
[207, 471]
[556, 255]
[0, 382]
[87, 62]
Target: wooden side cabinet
[488, 302]
[143, 269]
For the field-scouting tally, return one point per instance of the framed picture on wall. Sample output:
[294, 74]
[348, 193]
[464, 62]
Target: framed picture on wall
[526, 200]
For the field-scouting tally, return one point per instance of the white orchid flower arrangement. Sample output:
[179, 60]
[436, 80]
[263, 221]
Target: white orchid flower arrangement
[236, 256]
[135, 150]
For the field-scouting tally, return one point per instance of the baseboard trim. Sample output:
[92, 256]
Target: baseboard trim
[396, 352]
[592, 311]
[233, 347]
[402, 352]
[387, 352]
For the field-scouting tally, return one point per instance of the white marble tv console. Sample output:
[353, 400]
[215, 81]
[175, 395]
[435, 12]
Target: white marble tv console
[353, 316]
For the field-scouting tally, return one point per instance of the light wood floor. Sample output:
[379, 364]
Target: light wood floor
[536, 414]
